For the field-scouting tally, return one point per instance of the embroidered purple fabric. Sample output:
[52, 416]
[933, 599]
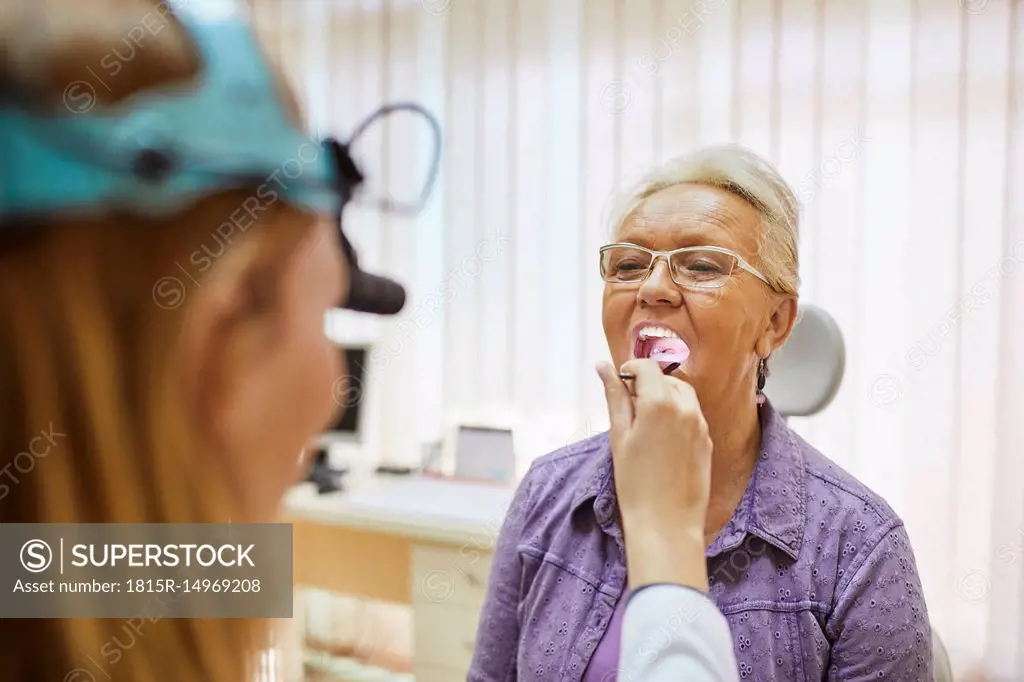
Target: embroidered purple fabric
[604, 664]
[814, 573]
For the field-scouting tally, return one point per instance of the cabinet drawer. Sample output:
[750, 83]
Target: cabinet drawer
[445, 635]
[426, 672]
[449, 575]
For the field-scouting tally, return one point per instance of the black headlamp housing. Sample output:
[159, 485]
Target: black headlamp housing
[368, 293]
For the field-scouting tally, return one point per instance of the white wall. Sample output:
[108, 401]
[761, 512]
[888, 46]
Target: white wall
[901, 125]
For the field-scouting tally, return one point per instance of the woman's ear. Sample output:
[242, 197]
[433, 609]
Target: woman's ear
[778, 326]
[228, 335]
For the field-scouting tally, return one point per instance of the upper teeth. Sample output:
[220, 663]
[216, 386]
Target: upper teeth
[658, 332]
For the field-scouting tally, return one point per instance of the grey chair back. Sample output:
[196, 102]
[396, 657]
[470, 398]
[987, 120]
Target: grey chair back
[805, 374]
[941, 666]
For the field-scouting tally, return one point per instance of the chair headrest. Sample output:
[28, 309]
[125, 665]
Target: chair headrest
[806, 372]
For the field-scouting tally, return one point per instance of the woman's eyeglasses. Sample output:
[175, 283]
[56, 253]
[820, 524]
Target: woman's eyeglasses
[692, 267]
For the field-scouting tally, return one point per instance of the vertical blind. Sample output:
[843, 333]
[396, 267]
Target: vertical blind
[899, 123]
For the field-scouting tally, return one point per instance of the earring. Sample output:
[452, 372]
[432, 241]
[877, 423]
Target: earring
[762, 376]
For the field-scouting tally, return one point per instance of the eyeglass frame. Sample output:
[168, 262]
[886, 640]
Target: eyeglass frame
[667, 255]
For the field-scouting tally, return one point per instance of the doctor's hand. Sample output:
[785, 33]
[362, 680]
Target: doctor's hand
[661, 452]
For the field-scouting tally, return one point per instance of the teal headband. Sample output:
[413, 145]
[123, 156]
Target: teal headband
[160, 151]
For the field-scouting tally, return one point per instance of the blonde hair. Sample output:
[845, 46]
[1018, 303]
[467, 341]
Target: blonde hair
[743, 173]
[90, 362]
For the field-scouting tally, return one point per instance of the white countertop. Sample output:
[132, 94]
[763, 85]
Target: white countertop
[420, 507]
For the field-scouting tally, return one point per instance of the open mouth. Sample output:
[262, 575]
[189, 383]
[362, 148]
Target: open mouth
[661, 344]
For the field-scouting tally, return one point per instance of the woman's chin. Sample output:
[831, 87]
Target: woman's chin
[681, 374]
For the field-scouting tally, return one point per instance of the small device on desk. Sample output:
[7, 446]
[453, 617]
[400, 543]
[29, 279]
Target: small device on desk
[343, 438]
[485, 453]
[479, 451]
[327, 480]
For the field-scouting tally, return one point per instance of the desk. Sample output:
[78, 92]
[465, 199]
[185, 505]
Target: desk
[410, 540]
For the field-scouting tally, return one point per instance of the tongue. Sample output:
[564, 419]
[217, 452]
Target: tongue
[668, 352]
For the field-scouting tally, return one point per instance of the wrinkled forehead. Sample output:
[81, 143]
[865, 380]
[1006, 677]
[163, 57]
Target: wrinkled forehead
[693, 215]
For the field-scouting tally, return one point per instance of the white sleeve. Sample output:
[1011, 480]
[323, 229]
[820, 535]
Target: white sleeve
[672, 633]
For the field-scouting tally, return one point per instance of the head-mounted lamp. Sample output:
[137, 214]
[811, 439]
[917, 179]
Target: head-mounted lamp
[162, 150]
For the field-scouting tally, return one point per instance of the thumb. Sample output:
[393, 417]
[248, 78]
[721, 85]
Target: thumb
[620, 402]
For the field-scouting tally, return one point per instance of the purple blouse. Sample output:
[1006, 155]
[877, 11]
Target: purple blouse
[605, 662]
[814, 573]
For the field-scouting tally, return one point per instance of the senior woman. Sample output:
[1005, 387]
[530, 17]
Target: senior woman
[813, 571]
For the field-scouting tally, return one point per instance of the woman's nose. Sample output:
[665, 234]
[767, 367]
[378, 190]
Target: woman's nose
[659, 288]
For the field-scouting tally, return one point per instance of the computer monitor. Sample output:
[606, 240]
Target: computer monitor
[350, 392]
